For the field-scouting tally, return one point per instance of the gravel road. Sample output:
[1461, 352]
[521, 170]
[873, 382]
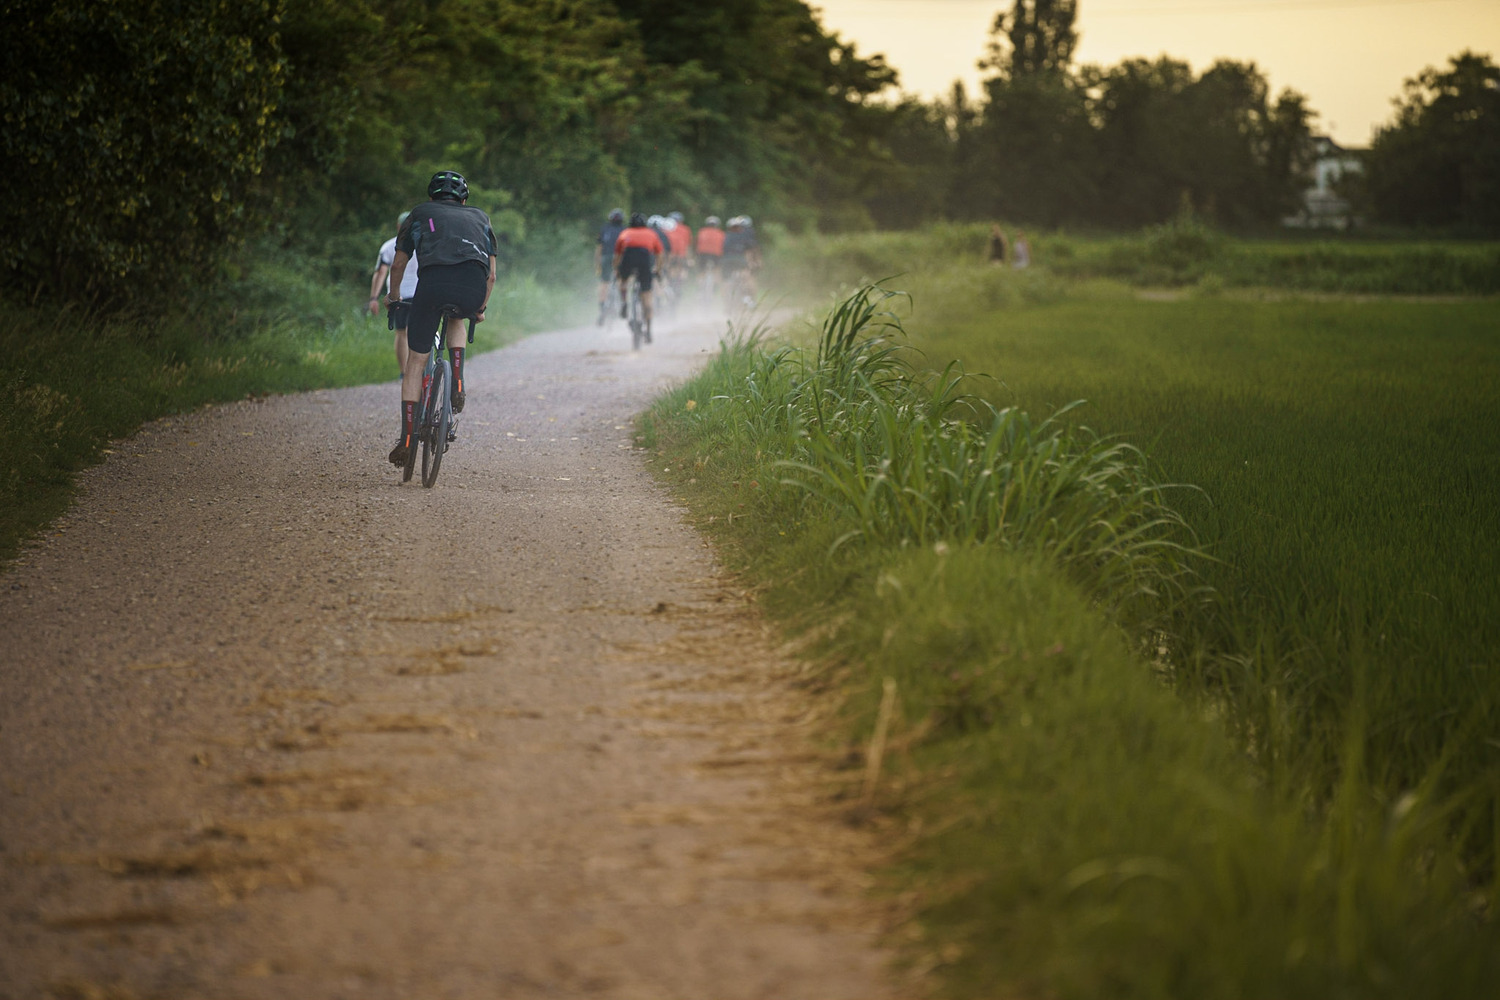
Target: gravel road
[273, 725]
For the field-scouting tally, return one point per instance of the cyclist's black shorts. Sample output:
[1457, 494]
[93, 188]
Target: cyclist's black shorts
[636, 261]
[732, 263]
[461, 285]
[607, 268]
[396, 317]
[708, 262]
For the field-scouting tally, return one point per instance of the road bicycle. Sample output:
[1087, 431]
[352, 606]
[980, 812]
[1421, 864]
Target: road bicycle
[434, 423]
[611, 306]
[736, 288]
[636, 316]
[708, 277]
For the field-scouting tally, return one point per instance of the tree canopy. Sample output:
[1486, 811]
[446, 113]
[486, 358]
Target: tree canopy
[1438, 163]
[147, 139]
[150, 137]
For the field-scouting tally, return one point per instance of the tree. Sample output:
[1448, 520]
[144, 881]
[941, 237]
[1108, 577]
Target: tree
[1165, 137]
[777, 105]
[1438, 162]
[1034, 37]
[133, 132]
[1030, 155]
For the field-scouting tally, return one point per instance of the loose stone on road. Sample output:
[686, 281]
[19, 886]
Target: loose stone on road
[273, 725]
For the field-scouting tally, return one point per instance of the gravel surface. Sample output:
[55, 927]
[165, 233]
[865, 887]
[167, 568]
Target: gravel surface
[274, 725]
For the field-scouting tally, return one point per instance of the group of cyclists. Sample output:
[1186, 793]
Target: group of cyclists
[662, 248]
[456, 245]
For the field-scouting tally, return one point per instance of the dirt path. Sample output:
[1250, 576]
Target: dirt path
[272, 725]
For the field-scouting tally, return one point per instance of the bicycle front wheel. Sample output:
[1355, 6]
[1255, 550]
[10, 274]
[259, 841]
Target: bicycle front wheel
[435, 427]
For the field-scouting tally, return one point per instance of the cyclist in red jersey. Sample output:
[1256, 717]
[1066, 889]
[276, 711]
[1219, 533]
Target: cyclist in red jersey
[638, 251]
[710, 248]
[682, 240]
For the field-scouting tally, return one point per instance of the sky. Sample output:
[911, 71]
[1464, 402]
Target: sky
[1350, 57]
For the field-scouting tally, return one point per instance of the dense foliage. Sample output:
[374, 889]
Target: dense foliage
[1438, 163]
[149, 140]
[1124, 145]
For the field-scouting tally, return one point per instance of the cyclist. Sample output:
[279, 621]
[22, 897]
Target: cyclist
[681, 239]
[709, 251]
[604, 255]
[662, 227]
[637, 250]
[457, 245]
[741, 258]
[408, 288]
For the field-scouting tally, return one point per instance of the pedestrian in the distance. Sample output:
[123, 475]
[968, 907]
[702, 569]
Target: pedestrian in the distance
[997, 246]
[1021, 250]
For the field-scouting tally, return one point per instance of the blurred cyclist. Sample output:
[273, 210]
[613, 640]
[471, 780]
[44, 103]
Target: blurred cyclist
[709, 252]
[681, 240]
[741, 259]
[604, 255]
[637, 252]
[381, 281]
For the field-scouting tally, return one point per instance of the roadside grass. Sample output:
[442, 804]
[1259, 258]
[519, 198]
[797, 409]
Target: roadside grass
[1346, 456]
[71, 382]
[1069, 825]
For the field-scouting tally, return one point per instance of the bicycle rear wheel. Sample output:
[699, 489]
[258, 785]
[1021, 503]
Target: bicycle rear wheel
[435, 427]
[411, 451]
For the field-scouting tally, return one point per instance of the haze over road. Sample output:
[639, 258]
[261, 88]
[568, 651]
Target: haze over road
[272, 725]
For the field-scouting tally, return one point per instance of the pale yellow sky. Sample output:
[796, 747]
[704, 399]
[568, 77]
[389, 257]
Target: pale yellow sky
[1349, 57]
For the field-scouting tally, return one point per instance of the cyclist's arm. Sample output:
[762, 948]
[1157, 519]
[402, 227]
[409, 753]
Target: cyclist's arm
[381, 270]
[398, 271]
[489, 286]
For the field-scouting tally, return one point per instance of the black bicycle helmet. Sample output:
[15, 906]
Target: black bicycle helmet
[637, 220]
[617, 215]
[448, 184]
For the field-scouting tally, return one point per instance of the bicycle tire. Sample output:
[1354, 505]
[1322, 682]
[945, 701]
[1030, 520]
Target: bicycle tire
[435, 427]
[637, 324]
[411, 452]
[611, 306]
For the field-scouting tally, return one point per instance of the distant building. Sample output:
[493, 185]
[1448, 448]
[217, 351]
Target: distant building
[1322, 206]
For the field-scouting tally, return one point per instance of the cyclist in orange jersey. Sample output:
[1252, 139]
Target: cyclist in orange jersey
[710, 247]
[638, 251]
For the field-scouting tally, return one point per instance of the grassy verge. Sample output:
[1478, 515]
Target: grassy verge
[1180, 254]
[1073, 826]
[72, 382]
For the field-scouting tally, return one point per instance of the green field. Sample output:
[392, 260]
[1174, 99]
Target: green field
[1315, 811]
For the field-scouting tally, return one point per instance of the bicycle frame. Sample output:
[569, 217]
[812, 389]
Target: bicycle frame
[433, 421]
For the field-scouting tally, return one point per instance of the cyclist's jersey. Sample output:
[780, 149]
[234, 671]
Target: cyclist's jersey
[710, 241]
[661, 234]
[641, 238]
[739, 242]
[446, 233]
[408, 280]
[680, 239]
[608, 235]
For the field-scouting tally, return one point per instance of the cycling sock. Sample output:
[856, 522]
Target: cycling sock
[457, 354]
[408, 417]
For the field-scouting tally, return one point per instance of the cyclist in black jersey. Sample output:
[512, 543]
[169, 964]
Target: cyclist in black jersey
[456, 244]
[604, 256]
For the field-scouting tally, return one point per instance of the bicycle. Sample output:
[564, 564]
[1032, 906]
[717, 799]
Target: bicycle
[611, 305]
[434, 423]
[635, 314]
[736, 288]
